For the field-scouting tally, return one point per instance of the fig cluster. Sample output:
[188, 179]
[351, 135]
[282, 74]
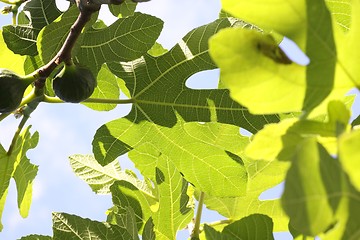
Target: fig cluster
[74, 83]
[12, 88]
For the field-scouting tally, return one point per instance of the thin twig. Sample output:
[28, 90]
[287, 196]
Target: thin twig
[17, 133]
[64, 53]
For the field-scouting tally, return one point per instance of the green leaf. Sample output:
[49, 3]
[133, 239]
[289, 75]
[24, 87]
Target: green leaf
[348, 55]
[52, 37]
[250, 64]
[255, 226]
[197, 157]
[5, 171]
[8, 59]
[21, 39]
[311, 186]
[98, 177]
[24, 176]
[157, 50]
[125, 40]
[272, 140]
[173, 213]
[107, 88]
[148, 232]
[279, 141]
[257, 12]
[356, 121]
[17, 165]
[212, 234]
[321, 49]
[310, 25]
[36, 237]
[125, 9]
[263, 175]
[126, 195]
[341, 11]
[349, 154]
[66, 227]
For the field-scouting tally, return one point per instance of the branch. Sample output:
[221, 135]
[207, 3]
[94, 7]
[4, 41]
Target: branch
[64, 53]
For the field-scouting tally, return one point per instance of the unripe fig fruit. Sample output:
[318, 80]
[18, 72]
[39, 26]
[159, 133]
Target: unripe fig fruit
[74, 83]
[12, 88]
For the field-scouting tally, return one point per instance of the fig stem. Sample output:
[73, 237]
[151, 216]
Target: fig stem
[28, 98]
[196, 231]
[3, 116]
[49, 99]
[17, 133]
[113, 101]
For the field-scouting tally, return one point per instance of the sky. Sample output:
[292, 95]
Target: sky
[67, 129]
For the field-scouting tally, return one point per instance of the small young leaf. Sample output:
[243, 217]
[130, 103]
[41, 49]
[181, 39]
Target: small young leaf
[125, 9]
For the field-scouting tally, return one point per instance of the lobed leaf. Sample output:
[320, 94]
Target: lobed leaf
[161, 101]
[173, 213]
[17, 166]
[209, 168]
[157, 85]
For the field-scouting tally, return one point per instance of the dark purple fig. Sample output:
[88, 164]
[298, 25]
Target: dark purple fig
[74, 83]
[12, 88]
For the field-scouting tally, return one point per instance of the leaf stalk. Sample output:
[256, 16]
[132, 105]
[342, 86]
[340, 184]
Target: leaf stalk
[195, 235]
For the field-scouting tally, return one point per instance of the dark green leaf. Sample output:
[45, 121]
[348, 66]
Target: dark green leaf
[36, 237]
[69, 227]
[255, 226]
[125, 9]
[21, 39]
[321, 49]
[139, 198]
[125, 40]
[148, 232]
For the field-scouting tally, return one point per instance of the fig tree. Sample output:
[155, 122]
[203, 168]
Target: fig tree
[74, 83]
[12, 88]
